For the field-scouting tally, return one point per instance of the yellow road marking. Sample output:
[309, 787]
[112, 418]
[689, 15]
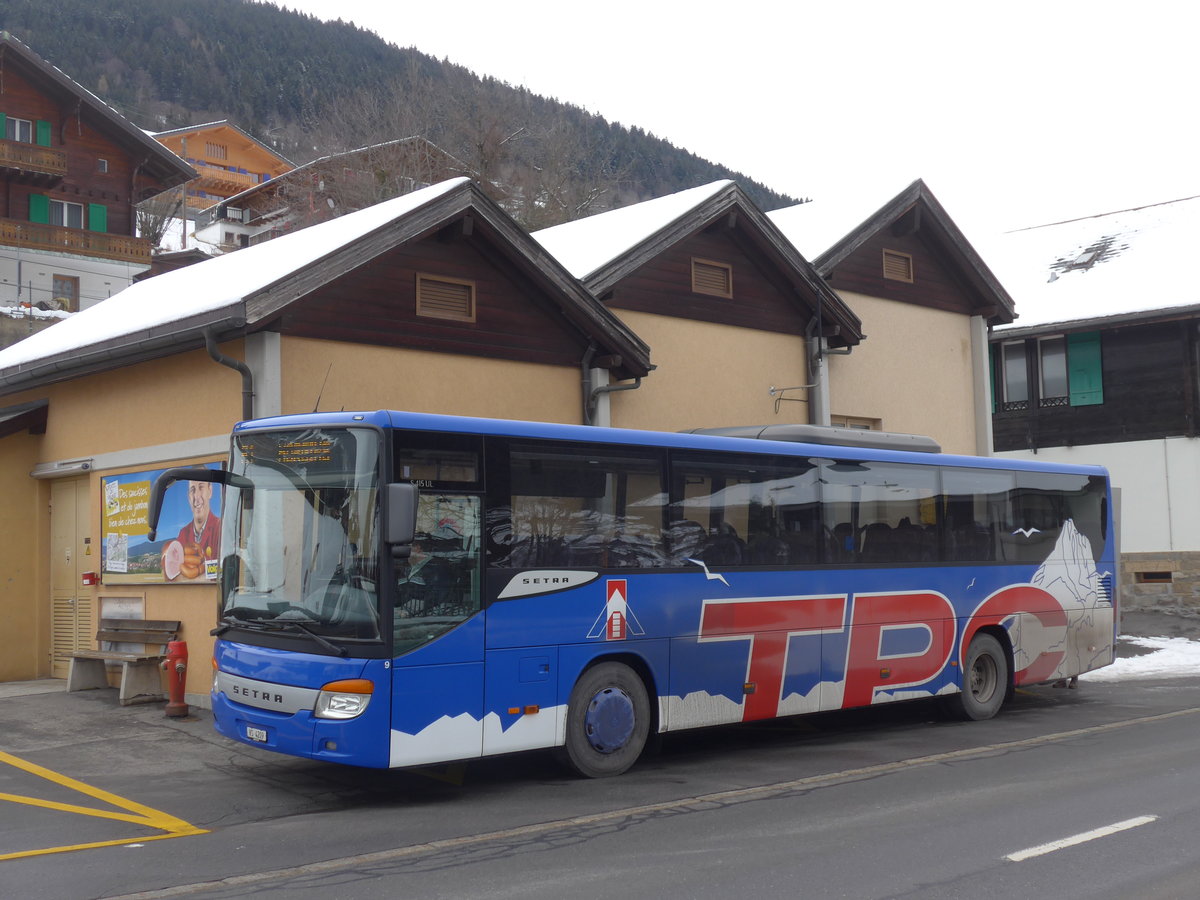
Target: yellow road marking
[133, 812]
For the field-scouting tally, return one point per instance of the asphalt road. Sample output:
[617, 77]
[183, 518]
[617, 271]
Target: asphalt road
[890, 802]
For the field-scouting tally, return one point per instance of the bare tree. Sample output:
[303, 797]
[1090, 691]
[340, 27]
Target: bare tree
[155, 214]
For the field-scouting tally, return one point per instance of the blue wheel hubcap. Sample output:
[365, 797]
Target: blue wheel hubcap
[610, 720]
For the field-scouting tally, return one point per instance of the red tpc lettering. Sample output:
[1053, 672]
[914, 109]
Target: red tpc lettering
[1013, 601]
[868, 665]
[768, 623]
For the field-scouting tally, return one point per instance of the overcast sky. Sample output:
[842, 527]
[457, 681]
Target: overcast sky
[1015, 114]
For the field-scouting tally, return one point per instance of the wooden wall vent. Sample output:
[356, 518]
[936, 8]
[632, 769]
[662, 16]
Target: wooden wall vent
[713, 278]
[897, 266]
[445, 298]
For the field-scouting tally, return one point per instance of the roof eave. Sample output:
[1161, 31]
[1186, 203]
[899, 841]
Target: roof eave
[1093, 323]
[126, 350]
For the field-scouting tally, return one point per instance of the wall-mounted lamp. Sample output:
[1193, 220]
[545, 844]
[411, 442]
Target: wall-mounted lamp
[61, 469]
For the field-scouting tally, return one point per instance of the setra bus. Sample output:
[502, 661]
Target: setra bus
[400, 589]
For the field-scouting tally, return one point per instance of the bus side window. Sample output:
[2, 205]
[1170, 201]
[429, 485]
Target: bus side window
[570, 507]
[750, 510]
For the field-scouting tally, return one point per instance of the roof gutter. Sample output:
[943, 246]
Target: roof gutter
[116, 352]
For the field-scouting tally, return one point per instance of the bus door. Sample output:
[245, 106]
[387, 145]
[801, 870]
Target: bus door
[437, 626]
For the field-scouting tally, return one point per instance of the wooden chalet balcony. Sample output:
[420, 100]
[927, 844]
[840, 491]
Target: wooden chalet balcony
[222, 181]
[56, 239]
[201, 203]
[31, 164]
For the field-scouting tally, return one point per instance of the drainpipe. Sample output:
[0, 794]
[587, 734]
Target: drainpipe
[210, 343]
[981, 386]
[818, 373]
[586, 367]
[592, 392]
[597, 392]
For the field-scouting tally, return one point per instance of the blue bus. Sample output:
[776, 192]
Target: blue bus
[401, 589]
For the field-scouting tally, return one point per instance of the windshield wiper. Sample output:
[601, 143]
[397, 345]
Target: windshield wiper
[328, 645]
[276, 625]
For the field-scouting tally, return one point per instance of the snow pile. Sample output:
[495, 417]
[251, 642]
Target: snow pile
[1171, 658]
[25, 312]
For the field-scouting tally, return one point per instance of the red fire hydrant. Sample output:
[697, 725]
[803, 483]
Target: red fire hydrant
[175, 665]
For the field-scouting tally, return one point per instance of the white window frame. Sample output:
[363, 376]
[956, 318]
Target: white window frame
[1004, 392]
[13, 125]
[1043, 396]
[64, 207]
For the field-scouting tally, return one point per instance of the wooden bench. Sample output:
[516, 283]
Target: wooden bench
[140, 679]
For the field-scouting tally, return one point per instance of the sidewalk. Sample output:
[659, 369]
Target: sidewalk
[26, 688]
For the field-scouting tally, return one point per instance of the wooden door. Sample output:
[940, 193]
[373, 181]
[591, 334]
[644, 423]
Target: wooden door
[72, 619]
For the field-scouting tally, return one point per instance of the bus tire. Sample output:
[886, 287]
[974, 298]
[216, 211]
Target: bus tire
[608, 721]
[986, 681]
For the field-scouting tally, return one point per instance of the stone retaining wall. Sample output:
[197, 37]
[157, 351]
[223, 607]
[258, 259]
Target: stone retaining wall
[1169, 580]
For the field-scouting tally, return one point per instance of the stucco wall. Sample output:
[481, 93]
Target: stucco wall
[711, 375]
[350, 376]
[140, 417]
[158, 402]
[24, 611]
[913, 372]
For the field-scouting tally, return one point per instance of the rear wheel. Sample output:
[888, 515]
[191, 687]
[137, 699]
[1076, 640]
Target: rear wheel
[608, 721]
[985, 680]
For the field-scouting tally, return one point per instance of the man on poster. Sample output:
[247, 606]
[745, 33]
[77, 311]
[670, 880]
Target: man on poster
[201, 537]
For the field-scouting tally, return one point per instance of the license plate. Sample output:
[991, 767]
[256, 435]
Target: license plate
[256, 734]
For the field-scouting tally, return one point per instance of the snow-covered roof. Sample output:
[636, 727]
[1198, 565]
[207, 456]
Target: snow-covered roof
[829, 234]
[209, 287]
[226, 296]
[1116, 264]
[585, 245]
[817, 225]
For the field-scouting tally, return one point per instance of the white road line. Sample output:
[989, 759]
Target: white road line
[1092, 835]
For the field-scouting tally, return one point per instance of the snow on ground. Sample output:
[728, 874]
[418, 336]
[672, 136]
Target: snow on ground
[1170, 657]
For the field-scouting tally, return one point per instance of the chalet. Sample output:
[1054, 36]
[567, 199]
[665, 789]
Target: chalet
[323, 189]
[74, 171]
[228, 160]
[732, 311]
[434, 301]
[927, 302]
[1104, 367]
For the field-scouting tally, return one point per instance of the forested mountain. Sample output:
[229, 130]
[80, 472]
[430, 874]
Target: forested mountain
[311, 88]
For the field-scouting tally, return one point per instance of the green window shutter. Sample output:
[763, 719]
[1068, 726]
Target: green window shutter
[97, 217]
[39, 209]
[43, 133]
[3, 125]
[1083, 369]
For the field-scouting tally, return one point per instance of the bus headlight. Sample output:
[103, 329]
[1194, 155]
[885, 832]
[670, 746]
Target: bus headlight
[344, 699]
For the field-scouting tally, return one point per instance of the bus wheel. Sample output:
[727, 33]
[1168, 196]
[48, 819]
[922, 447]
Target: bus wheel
[985, 680]
[608, 720]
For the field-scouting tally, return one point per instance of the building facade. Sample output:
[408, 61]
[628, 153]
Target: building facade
[227, 160]
[1104, 367]
[74, 171]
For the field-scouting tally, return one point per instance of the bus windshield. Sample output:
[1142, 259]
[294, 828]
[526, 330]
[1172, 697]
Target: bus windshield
[299, 544]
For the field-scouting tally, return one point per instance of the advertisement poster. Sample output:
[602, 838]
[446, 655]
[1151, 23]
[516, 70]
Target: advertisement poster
[189, 531]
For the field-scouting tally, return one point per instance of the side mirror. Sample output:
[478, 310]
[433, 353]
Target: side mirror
[400, 526]
[158, 490]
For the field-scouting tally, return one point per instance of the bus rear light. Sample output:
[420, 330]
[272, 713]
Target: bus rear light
[344, 699]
